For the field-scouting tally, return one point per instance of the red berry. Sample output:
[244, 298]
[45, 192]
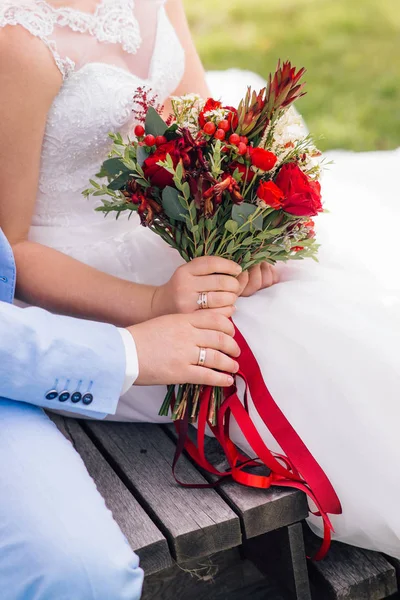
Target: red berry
[160, 139]
[219, 134]
[139, 130]
[209, 128]
[224, 125]
[242, 148]
[244, 139]
[149, 140]
[234, 139]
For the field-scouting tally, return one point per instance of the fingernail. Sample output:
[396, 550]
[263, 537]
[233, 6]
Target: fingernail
[229, 380]
[234, 307]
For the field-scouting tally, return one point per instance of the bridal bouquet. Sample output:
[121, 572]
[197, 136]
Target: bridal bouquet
[241, 183]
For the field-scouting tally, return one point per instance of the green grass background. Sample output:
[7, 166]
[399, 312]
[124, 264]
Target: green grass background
[350, 48]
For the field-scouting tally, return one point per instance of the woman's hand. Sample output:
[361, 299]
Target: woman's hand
[257, 278]
[169, 348]
[211, 274]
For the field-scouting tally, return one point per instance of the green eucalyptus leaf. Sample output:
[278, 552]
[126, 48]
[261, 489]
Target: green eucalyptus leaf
[193, 210]
[186, 190]
[179, 171]
[120, 181]
[247, 257]
[248, 241]
[209, 224]
[188, 223]
[171, 204]
[95, 183]
[183, 202]
[231, 247]
[154, 124]
[170, 133]
[113, 166]
[241, 214]
[141, 155]
[231, 226]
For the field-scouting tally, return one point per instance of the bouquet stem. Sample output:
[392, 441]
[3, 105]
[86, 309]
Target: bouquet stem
[188, 398]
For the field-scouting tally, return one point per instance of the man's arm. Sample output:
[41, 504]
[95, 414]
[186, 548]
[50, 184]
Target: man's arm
[60, 362]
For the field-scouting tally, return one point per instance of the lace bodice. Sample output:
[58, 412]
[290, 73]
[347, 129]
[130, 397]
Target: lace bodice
[104, 56]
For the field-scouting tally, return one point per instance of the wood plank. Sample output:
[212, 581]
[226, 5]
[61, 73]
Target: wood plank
[280, 555]
[218, 577]
[395, 562]
[196, 522]
[260, 511]
[350, 573]
[143, 535]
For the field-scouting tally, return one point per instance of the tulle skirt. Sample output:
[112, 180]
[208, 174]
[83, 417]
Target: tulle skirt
[327, 337]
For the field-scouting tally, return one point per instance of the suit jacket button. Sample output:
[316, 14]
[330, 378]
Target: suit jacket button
[87, 399]
[76, 397]
[51, 395]
[63, 397]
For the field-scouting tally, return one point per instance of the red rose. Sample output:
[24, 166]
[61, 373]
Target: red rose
[209, 105]
[269, 193]
[158, 176]
[262, 159]
[243, 169]
[302, 194]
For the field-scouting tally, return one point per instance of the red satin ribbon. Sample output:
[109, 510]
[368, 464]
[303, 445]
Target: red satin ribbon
[298, 469]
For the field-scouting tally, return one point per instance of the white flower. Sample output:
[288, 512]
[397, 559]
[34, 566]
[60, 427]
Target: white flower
[216, 115]
[186, 110]
[188, 100]
[290, 128]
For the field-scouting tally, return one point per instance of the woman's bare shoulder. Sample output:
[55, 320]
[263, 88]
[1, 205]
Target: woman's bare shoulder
[26, 60]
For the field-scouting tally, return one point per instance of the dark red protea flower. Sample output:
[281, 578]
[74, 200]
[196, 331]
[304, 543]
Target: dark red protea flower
[284, 88]
[256, 111]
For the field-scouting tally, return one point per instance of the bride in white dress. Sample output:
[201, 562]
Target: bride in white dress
[327, 336]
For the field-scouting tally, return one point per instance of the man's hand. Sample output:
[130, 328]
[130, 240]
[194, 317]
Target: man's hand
[168, 348]
[257, 278]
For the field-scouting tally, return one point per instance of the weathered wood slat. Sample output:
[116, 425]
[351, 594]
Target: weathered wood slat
[395, 562]
[196, 522]
[143, 535]
[260, 511]
[350, 573]
[280, 555]
[219, 577]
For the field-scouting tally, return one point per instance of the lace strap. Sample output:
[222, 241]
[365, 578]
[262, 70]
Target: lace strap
[39, 20]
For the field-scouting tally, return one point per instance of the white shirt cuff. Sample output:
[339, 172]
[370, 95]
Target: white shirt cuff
[132, 362]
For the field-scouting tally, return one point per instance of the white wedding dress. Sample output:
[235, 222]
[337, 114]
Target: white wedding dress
[327, 337]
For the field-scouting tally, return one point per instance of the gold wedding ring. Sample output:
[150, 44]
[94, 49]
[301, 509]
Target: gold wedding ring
[202, 357]
[203, 300]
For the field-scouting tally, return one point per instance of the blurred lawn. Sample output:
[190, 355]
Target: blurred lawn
[351, 49]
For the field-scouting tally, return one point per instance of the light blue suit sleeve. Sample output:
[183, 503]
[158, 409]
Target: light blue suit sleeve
[60, 362]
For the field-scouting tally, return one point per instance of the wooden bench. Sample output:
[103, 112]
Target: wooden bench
[215, 543]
